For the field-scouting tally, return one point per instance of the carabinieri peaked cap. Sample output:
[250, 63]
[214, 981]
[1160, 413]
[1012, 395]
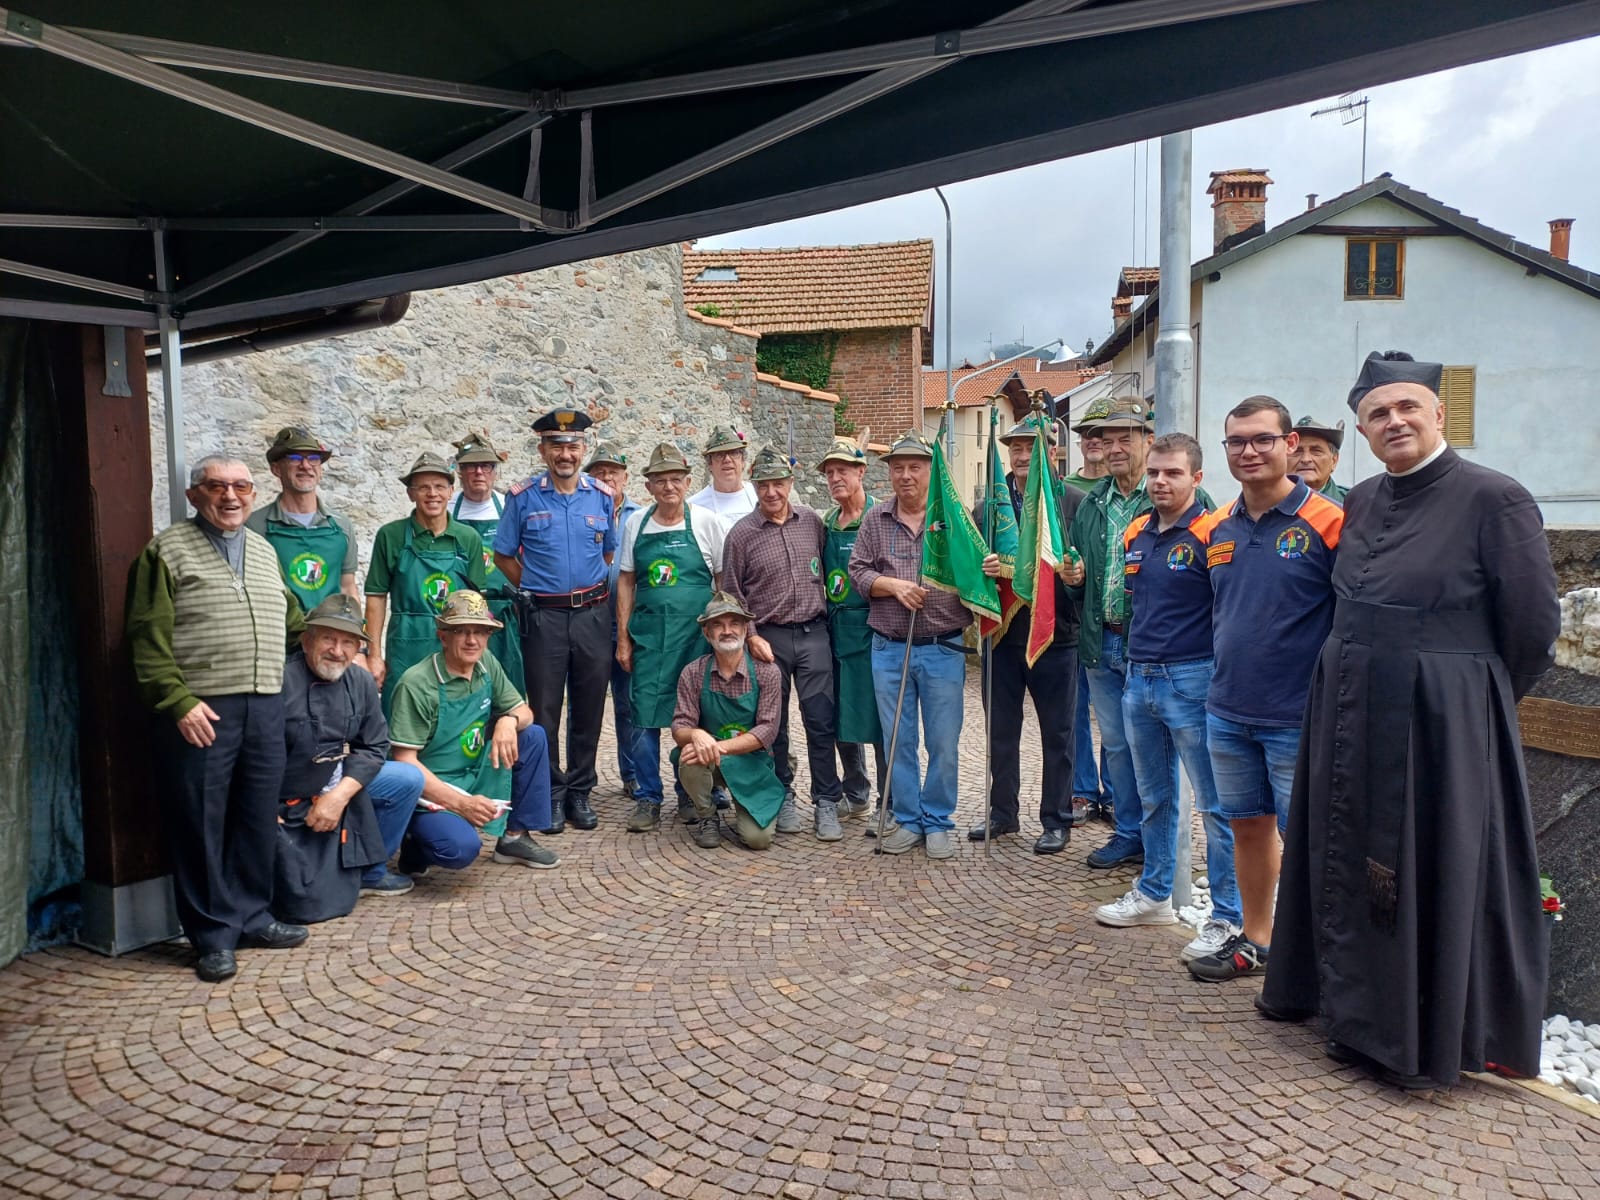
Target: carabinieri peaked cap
[771, 463]
[1332, 434]
[1393, 366]
[562, 425]
[428, 463]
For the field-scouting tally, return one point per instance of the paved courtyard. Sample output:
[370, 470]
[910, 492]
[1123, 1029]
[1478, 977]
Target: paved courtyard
[654, 1019]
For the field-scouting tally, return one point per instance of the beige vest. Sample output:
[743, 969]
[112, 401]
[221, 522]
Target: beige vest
[228, 633]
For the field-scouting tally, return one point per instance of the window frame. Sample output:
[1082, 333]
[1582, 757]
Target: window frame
[1372, 244]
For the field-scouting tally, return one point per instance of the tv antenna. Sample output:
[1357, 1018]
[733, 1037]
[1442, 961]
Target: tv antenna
[1351, 110]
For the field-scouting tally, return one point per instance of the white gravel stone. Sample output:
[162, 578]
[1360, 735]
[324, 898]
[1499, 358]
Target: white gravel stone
[1556, 1027]
[1591, 1033]
[1589, 1088]
[1551, 1078]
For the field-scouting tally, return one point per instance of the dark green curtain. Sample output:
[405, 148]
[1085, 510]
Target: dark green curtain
[41, 823]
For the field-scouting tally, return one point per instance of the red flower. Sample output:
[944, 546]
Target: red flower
[1552, 904]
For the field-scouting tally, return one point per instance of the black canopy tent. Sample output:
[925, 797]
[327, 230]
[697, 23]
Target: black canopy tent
[207, 170]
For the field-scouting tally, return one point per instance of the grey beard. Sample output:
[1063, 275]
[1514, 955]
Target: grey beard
[329, 672]
[729, 645]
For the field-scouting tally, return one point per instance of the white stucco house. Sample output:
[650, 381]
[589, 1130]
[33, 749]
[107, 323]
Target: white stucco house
[1292, 311]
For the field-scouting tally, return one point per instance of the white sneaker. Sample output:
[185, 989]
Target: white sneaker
[1136, 909]
[939, 844]
[1213, 935]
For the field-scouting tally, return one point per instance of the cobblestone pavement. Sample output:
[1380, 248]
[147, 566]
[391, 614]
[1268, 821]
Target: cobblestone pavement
[655, 1019]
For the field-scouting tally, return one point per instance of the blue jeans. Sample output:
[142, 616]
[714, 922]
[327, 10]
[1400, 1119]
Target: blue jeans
[1253, 766]
[1164, 713]
[394, 795]
[935, 685]
[622, 718]
[445, 839]
[646, 753]
[1087, 782]
[1105, 689]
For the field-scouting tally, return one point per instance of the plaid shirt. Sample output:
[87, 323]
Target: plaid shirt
[887, 546]
[1120, 511]
[692, 678]
[775, 570]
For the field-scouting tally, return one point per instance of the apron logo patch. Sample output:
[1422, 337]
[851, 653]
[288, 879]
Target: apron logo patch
[663, 572]
[730, 731]
[1181, 557]
[488, 559]
[472, 740]
[436, 590]
[1293, 542]
[838, 584]
[308, 571]
[816, 568]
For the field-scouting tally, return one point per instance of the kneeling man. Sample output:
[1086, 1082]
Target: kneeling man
[339, 799]
[725, 724]
[458, 718]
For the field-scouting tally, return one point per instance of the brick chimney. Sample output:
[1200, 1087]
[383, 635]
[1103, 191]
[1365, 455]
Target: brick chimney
[1238, 206]
[1560, 237]
[1121, 306]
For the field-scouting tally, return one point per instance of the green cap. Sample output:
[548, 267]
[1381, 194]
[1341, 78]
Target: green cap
[910, 444]
[295, 439]
[724, 605]
[428, 463]
[340, 612]
[664, 458]
[1125, 412]
[467, 608]
[1332, 434]
[607, 454]
[1092, 415]
[1023, 429]
[771, 463]
[844, 450]
[477, 448]
[725, 437]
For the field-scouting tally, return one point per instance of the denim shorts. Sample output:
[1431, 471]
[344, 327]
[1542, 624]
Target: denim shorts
[1253, 768]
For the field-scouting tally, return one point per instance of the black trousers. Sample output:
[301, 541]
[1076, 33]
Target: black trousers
[222, 816]
[566, 655]
[1053, 683]
[804, 655]
[853, 758]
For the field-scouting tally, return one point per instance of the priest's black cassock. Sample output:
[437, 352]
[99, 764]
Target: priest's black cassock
[1409, 910]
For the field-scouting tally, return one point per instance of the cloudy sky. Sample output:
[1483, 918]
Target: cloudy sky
[1510, 142]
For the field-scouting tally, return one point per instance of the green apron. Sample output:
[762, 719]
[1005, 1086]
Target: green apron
[458, 751]
[312, 559]
[417, 591]
[671, 588]
[854, 699]
[750, 777]
[506, 644]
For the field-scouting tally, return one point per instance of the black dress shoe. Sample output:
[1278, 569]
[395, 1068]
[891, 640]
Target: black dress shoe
[1409, 1083]
[1052, 841]
[276, 936]
[558, 819]
[996, 829]
[579, 814]
[1345, 1055]
[1286, 1014]
[216, 966]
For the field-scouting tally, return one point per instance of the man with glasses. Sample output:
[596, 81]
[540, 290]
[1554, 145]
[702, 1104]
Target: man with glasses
[609, 464]
[478, 506]
[1091, 781]
[316, 548]
[211, 669]
[728, 495]
[1317, 455]
[670, 563]
[416, 563]
[1271, 559]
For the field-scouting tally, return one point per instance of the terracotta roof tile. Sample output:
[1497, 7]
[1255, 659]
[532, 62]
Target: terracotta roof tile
[810, 288]
[975, 387]
[1238, 175]
[1138, 281]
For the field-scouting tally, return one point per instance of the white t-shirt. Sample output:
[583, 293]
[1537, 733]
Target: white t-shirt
[473, 510]
[730, 506]
[708, 532]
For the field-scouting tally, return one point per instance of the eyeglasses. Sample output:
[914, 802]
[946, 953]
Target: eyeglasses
[221, 487]
[1261, 443]
[312, 460]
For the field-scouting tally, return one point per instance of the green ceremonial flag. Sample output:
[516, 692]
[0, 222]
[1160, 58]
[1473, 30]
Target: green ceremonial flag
[1000, 529]
[952, 549]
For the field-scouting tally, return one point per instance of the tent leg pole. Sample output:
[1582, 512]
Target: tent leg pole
[172, 404]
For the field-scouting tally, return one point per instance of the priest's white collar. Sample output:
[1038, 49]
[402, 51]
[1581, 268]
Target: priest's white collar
[1437, 450]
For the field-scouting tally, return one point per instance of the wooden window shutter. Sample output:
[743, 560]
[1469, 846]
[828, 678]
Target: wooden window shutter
[1457, 389]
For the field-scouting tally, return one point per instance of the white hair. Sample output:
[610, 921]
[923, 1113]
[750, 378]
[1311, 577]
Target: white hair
[198, 471]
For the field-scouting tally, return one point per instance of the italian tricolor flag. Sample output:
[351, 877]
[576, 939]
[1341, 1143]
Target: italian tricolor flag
[1041, 546]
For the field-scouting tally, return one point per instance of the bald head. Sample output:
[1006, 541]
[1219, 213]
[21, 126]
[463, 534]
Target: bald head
[1402, 422]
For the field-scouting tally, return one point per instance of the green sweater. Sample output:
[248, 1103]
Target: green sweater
[195, 629]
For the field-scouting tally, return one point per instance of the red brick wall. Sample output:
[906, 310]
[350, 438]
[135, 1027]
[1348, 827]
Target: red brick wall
[876, 370]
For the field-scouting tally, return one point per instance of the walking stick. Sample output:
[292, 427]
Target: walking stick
[894, 735]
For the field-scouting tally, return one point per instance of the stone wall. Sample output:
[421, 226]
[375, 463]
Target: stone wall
[610, 335]
[1575, 551]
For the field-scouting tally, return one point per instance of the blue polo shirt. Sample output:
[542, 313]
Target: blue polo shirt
[1169, 587]
[560, 540]
[1272, 606]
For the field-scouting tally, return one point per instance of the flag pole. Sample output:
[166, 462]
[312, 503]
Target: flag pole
[988, 651]
[894, 735]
